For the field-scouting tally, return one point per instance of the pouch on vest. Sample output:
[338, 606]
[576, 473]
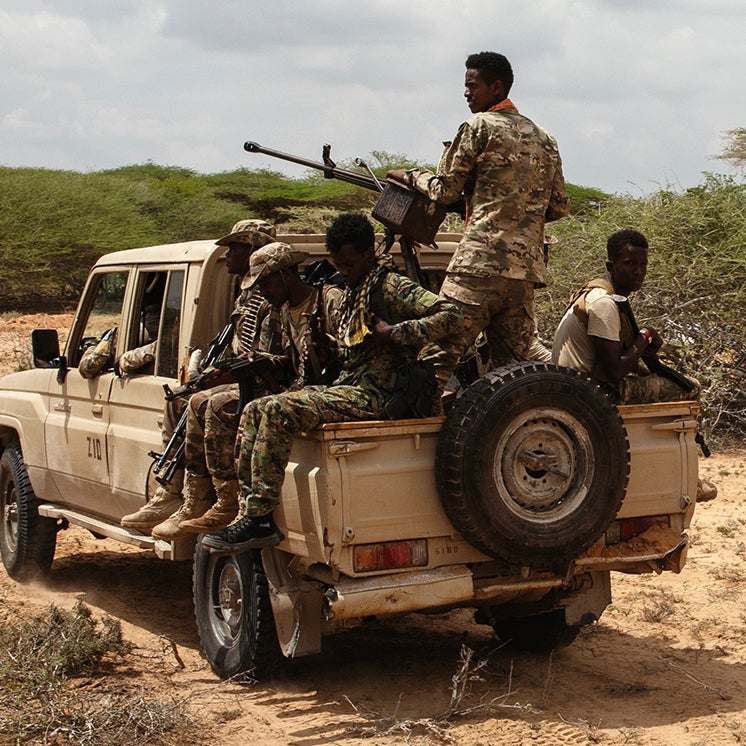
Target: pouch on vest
[415, 392]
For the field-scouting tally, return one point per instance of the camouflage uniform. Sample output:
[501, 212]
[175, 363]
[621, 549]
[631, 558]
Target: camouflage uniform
[510, 172]
[97, 359]
[205, 444]
[360, 392]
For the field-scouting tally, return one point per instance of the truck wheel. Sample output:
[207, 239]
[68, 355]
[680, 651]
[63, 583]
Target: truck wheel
[541, 633]
[27, 541]
[234, 614]
[532, 464]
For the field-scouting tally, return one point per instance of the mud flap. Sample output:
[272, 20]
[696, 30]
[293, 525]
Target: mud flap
[297, 608]
[587, 605]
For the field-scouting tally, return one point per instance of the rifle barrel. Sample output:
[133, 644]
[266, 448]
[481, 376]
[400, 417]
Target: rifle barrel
[331, 172]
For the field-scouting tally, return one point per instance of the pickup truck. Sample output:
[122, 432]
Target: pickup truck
[519, 504]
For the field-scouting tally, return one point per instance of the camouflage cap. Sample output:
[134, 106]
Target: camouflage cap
[272, 258]
[254, 232]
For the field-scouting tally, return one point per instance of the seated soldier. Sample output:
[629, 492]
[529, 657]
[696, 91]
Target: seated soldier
[596, 334]
[307, 357]
[100, 356]
[384, 320]
[256, 327]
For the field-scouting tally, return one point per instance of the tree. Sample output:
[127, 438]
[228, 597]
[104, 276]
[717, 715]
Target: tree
[734, 147]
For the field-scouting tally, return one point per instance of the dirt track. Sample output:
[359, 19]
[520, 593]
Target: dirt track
[665, 665]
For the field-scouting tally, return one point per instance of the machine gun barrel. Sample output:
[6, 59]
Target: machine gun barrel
[328, 167]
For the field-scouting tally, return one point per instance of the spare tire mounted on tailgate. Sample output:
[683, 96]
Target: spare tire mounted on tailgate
[532, 464]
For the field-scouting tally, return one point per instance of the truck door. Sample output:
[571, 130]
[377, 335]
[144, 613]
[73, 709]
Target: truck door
[75, 430]
[137, 399]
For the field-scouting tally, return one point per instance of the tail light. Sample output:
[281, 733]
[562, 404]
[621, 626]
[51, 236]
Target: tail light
[390, 555]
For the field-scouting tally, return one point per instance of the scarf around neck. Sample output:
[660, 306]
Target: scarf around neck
[354, 309]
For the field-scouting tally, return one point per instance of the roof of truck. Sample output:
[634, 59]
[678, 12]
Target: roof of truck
[198, 251]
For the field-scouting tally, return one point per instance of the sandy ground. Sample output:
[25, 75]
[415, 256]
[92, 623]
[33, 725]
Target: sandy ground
[664, 665]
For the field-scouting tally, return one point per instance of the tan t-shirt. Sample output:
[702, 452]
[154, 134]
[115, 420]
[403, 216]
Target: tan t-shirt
[573, 347]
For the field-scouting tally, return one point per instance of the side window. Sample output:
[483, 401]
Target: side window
[105, 312]
[168, 353]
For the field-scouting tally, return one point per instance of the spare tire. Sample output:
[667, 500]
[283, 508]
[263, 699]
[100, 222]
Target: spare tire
[532, 464]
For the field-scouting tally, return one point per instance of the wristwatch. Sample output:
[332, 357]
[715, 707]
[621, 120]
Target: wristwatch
[646, 333]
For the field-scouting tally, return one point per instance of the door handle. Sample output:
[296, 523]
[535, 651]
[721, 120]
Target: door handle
[97, 410]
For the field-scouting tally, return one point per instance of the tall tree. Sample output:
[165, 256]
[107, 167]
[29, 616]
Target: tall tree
[734, 147]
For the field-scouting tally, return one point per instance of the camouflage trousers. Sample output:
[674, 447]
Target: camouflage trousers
[266, 435]
[211, 431]
[500, 307]
[634, 389]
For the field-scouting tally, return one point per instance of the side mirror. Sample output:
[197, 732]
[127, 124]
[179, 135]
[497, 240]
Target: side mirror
[45, 347]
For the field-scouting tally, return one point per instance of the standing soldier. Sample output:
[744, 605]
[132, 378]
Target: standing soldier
[510, 172]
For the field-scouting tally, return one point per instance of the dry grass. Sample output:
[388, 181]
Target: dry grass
[53, 686]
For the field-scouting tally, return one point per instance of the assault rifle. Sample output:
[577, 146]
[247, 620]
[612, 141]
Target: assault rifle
[172, 458]
[651, 360]
[401, 209]
[231, 370]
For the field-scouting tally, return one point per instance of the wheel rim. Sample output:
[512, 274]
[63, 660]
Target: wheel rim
[226, 600]
[543, 464]
[10, 517]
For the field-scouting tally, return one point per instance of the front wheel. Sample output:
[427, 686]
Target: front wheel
[234, 614]
[27, 541]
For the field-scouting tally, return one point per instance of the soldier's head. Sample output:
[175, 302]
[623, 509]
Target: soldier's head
[488, 80]
[245, 237]
[273, 269]
[351, 242]
[627, 263]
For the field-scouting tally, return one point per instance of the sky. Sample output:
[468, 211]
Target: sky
[638, 93]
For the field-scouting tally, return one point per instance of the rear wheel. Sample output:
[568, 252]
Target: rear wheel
[537, 634]
[234, 615]
[27, 541]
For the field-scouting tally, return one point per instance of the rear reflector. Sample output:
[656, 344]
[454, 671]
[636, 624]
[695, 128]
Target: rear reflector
[390, 555]
[627, 528]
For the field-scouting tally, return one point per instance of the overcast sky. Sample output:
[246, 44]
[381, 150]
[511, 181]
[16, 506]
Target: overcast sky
[637, 92]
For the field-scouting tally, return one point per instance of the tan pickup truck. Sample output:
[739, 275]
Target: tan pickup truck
[519, 504]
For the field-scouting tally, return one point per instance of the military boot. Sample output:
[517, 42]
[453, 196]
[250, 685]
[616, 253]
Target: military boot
[166, 499]
[219, 515]
[198, 496]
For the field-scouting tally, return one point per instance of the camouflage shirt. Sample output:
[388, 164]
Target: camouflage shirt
[297, 335]
[510, 172]
[418, 317]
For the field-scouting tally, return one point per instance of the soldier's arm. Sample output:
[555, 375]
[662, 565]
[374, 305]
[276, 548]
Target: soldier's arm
[457, 163]
[427, 317]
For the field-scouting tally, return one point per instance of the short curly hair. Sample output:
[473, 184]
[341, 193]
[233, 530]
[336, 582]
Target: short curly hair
[492, 66]
[628, 237]
[350, 228]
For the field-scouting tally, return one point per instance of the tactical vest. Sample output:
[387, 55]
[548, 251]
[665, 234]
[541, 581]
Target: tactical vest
[578, 305]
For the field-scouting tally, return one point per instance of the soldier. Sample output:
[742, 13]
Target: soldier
[99, 357]
[594, 336]
[308, 356]
[510, 172]
[384, 319]
[256, 327]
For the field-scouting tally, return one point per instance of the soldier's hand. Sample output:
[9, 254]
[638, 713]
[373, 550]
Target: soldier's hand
[380, 336]
[656, 341]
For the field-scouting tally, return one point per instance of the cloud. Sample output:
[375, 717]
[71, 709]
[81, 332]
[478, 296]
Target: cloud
[635, 92]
